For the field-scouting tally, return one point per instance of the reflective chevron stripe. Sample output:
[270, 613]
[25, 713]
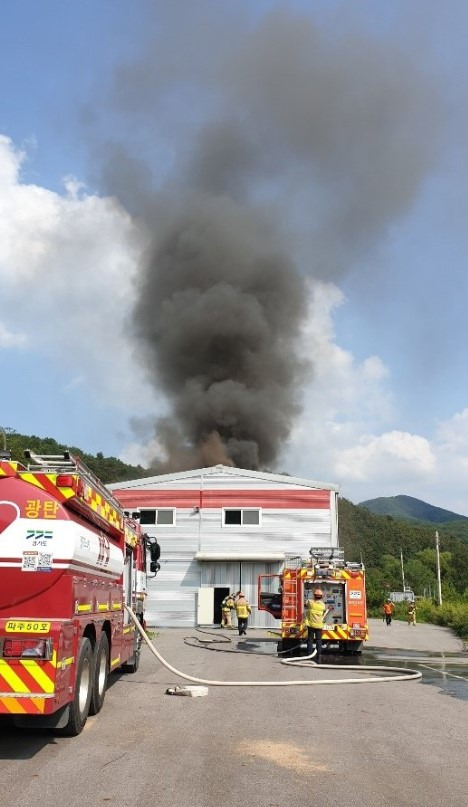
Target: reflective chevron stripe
[25, 684]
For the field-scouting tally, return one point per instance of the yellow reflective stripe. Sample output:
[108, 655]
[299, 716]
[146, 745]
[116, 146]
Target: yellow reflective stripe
[11, 678]
[115, 661]
[39, 703]
[64, 662]
[36, 672]
[103, 606]
[32, 479]
[129, 629]
[13, 706]
[83, 608]
[117, 606]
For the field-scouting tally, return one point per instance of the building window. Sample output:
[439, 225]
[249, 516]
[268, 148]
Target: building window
[163, 517]
[245, 517]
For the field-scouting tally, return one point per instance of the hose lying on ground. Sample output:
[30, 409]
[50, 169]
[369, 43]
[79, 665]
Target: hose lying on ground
[221, 638]
[401, 674]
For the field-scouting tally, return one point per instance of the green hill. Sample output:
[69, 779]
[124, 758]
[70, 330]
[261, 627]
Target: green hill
[411, 509]
[378, 540]
[107, 469]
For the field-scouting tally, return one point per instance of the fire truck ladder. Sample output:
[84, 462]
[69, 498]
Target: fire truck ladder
[292, 564]
[66, 463]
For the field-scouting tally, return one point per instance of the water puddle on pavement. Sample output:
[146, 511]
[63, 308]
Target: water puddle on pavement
[447, 671]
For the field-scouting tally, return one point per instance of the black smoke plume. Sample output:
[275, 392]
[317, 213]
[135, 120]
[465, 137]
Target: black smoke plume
[288, 149]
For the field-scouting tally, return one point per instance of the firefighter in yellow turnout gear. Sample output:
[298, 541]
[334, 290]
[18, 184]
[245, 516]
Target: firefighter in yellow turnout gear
[243, 611]
[314, 618]
[412, 613]
[227, 606]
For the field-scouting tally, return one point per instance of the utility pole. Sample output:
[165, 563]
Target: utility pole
[439, 585]
[5, 454]
[402, 570]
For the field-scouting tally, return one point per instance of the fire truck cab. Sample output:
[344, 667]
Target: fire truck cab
[285, 595]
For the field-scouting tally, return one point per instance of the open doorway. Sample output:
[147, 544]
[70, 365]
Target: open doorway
[220, 592]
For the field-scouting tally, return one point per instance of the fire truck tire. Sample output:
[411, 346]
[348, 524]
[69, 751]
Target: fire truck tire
[79, 707]
[101, 673]
[289, 647]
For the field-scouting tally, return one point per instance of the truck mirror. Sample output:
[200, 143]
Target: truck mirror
[154, 566]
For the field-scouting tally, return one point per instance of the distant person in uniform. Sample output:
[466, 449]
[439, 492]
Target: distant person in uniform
[412, 613]
[227, 606]
[315, 614]
[388, 610]
[243, 611]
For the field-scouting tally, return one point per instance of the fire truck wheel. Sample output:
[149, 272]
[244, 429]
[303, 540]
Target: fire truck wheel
[289, 647]
[79, 707]
[101, 672]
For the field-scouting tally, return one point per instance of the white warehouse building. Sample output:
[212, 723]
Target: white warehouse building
[218, 529]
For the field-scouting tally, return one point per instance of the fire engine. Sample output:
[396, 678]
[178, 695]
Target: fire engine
[69, 561]
[343, 585]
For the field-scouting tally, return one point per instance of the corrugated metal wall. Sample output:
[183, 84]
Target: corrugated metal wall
[172, 595]
[242, 575]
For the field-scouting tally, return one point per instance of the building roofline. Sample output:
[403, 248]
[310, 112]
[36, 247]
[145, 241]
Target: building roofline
[226, 469]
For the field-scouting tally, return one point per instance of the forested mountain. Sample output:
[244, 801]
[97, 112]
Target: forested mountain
[411, 509]
[377, 540]
[108, 469]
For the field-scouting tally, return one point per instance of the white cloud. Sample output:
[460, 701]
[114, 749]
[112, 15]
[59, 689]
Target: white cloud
[67, 263]
[452, 435]
[386, 456]
[8, 339]
[142, 453]
[348, 432]
[344, 398]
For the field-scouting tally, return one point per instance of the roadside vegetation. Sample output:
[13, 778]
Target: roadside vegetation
[379, 540]
[376, 540]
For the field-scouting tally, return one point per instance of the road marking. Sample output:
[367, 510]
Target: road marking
[444, 672]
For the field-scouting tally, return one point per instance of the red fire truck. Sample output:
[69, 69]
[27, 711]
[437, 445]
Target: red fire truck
[344, 594]
[69, 561]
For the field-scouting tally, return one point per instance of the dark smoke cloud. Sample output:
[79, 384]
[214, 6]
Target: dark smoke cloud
[218, 313]
[293, 149]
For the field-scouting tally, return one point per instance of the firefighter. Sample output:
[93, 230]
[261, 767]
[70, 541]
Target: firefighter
[243, 611]
[388, 610]
[227, 606]
[412, 613]
[314, 618]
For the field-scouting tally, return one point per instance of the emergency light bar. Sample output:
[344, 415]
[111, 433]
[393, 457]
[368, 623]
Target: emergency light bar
[326, 553]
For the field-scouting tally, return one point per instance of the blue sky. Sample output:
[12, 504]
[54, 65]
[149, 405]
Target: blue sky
[385, 410]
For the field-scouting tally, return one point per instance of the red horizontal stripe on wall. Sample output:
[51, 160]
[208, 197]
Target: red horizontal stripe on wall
[267, 499]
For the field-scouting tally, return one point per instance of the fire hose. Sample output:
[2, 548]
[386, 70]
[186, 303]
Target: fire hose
[399, 673]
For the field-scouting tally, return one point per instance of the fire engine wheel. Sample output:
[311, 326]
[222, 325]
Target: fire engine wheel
[289, 647]
[79, 707]
[101, 672]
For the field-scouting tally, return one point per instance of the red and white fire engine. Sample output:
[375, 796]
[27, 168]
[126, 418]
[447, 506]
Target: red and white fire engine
[344, 593]
[69, 561]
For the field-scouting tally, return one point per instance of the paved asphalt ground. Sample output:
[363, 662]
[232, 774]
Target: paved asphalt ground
[380, 745]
